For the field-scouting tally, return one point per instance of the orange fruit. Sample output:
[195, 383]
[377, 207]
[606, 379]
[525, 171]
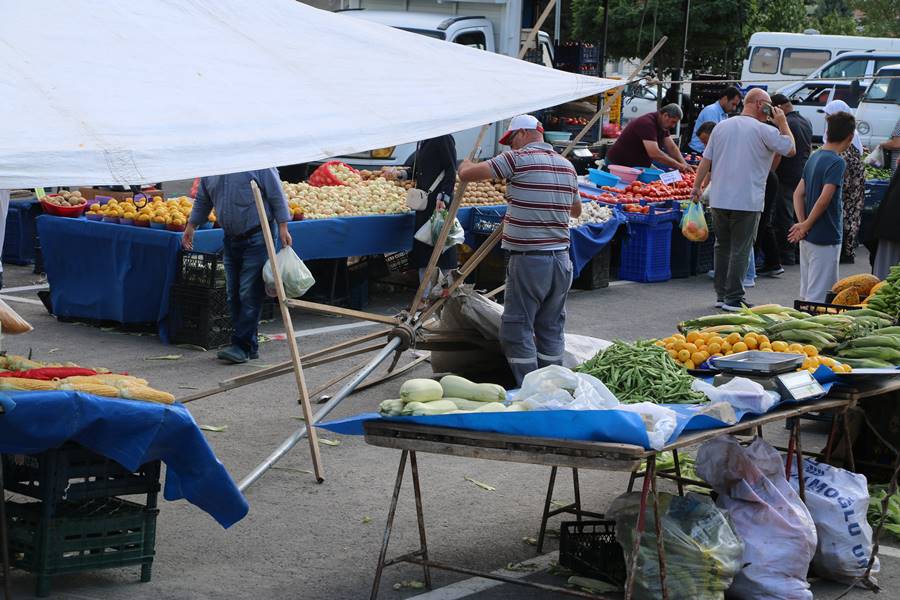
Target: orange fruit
[751, 342]
[713, 347]
[684, 355]
[733, 338]
[692, 336]
[739, 347]
[810, 350]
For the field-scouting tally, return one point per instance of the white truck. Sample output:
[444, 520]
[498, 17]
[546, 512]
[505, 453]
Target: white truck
[490, 25]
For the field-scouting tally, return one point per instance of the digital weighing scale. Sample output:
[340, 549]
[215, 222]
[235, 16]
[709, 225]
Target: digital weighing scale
[776, 371]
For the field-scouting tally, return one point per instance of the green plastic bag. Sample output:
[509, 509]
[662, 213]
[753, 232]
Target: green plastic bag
[693, 223]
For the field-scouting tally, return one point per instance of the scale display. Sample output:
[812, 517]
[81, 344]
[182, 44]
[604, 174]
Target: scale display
[799, 386]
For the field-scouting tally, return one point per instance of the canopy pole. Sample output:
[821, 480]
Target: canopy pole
[295, 437]
[289, 327]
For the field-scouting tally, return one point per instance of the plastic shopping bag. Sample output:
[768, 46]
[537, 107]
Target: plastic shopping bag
[741, 393]
[559, 388]
[838, 501]
[431, 230]
[875, 158]
[693, 223]
[295, 277]
[767, 514]
[659, 421]
[703, 553]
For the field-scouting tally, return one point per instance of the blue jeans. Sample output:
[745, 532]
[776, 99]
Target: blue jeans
[532, 330]
[244, 261]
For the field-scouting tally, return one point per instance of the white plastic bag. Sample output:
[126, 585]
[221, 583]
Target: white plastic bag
[875, 158]
[741, 393]
[559, 388]
[295, 277]
[838, 501]
[767, 514]
[703, 552]
[659, 421]
[581, 348]
[429, 232]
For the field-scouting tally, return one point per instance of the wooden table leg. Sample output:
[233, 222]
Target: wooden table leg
[849, 462]
[660, 547]
[577, 489]
[789, 459]
[801, 484]
[678, 481]
[639, 529]
[389, 526]
[546, 515]
[829, 445]
[420, 518]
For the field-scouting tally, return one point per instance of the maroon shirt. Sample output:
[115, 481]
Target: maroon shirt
[629, 149]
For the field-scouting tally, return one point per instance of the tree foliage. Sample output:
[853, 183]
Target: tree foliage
[881, 18]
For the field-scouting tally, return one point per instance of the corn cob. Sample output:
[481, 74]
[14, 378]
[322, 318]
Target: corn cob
[866, 363]
[886, 354]
[29, 385]
[876, 341]
[769, 309]
[868, 312]
[95, 389]
[711, 320]
[141, 392]
[893, 330]
[794, 325]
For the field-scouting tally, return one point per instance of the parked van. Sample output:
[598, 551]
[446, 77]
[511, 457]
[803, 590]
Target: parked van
[774, 59]
[860, 65]
[879, 108]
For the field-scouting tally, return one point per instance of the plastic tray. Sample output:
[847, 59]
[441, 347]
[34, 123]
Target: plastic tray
[761, 363]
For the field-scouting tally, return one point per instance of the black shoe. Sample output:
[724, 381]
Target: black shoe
[737, 306]
[771, 272]
[233, 355]
[254, 355]
[845, 260]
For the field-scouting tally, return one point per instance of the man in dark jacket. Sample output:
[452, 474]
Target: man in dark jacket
[789, 173]
[886, 231]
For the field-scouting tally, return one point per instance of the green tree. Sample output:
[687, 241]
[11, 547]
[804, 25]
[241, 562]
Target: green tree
[835, 24]
[881, 18]
[785, 15]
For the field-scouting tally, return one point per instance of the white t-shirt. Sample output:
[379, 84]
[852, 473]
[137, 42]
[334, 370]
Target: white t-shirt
[741, 150]
[4, 209]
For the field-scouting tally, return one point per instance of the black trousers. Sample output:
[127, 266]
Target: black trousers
[766, 235]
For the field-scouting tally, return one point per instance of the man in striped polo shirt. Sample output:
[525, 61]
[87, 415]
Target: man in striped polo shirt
[542, 192]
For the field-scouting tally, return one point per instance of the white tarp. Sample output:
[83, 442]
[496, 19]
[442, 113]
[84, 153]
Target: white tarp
[105, 91]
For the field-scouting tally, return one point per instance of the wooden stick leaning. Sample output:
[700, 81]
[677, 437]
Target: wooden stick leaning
[495, 237]
[461, 188]
[312, 434]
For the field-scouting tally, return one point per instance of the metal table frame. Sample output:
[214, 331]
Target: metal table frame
[411, 438]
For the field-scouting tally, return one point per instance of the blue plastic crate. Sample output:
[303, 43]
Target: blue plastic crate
[646, 253]
[485, 222]
[18, 245]
[660, 212]
[876, 189]
[601, 178]
[650, 175]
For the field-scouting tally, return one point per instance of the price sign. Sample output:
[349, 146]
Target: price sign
[582, 152]
[670, 177]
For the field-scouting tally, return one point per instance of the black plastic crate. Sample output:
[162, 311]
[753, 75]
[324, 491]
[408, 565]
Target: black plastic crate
[397, 262]
[703, 255]
[595, 274]
[821, 308]
[72, 473]
[577, 53]
[590, 548]
[82, 536]
[201, 269]
[199, 316]
[681, 254]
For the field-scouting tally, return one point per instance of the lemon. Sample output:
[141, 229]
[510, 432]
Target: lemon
[780, 346]
[739, 347]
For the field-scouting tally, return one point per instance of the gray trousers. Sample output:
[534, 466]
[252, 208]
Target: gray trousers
[534, 311]
[735, 234]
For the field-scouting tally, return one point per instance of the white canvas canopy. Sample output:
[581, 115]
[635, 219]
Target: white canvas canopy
[104, 91]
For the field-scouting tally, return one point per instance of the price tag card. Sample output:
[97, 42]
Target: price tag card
[582, 152]
[670, 177]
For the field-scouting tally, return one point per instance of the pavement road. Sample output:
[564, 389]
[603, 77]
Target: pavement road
[302, 540]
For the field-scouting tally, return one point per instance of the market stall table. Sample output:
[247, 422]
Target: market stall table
[413, 438]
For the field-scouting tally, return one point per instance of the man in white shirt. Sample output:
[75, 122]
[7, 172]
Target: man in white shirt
[4, 210]
[739, 155]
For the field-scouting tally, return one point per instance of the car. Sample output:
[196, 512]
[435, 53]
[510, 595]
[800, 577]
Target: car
[810, 99]
[862, 65]
[879, 108]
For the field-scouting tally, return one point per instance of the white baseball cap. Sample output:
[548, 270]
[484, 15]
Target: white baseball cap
[520, 122]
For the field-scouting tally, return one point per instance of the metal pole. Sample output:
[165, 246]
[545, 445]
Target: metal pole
[605, 37]
[557, 22]
[687, 22]
[298, 435]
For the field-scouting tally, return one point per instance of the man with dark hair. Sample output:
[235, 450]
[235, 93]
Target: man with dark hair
[715, 113]
[789, 172]
[819, 210]
[646, 140]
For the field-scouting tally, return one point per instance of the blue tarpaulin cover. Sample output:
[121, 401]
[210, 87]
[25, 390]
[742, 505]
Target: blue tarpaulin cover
[131, 433]
[611, 425]
[588, 240]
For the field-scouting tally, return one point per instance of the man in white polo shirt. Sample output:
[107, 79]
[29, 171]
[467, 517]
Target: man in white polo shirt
[542, 192]
[739, 155]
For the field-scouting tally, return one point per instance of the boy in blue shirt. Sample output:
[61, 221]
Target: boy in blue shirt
[817, 203]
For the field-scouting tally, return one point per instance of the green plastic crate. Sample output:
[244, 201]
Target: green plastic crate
[82, 536]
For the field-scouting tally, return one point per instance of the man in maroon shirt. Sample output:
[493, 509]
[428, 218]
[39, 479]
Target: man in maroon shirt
[646, 140]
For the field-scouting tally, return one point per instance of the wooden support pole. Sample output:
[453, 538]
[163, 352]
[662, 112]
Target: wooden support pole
[342, 312]
[312, 435]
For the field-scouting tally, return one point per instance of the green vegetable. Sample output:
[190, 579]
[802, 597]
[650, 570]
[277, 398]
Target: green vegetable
[421, 390]
[642, 372]
[460, 387]
[877, 494]
[427, 409]
[391, 407]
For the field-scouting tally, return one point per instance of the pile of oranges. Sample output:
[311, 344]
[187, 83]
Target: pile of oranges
[695, 348]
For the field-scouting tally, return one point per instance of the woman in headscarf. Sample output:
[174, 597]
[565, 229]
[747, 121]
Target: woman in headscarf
[854, 191]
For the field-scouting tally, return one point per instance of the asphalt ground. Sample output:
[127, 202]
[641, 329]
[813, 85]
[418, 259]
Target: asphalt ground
[302, 540]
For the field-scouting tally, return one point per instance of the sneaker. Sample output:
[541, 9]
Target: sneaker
[771, 272]
[233, 355]
[736, 307]
[254, 355]
[711, 273]
[720, 303]
[749, 283]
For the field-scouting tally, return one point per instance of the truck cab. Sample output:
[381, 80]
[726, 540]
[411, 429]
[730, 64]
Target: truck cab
[494, 31]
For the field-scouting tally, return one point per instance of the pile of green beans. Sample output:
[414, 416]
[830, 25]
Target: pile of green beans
[642, 372]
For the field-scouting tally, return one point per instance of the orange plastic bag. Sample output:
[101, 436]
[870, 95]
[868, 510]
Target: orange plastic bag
[693, 223]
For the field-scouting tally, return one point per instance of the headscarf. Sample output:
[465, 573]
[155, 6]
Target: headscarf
[836, 106]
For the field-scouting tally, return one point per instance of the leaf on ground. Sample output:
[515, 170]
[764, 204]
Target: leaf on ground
[482, 485]
[530, 541]
[412, 584]
[294, 470]
[559, 503]
[299, 418]
[214, 428]
[521, 568]
[262, 339]
[52, 350]
[328, 442]
[366, 520]
[552, 533]
[558, 569]
[165, 357]
[187, 387]
[192, 347]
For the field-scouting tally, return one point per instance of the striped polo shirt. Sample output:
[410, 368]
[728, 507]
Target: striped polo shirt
[541, 187]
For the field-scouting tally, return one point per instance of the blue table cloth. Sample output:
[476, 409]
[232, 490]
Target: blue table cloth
[131, 433]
